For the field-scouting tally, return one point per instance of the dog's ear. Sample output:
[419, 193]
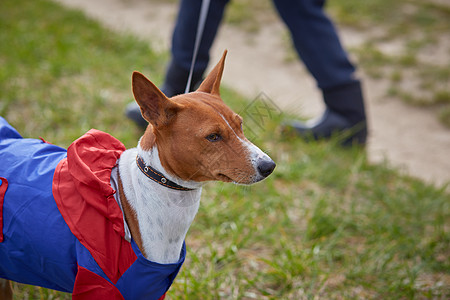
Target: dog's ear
[156, 108]
[211, 84]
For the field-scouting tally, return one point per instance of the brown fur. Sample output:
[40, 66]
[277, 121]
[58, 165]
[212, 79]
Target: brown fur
[5, 290]
[130, 217]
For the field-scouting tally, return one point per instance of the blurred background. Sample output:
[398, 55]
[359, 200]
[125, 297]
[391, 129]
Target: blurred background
[402, 50]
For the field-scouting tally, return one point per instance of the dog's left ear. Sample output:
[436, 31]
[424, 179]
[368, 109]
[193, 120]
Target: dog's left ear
[211, 84]
[156, 108]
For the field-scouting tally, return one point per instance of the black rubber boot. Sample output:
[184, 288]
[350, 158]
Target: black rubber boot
[344, 117]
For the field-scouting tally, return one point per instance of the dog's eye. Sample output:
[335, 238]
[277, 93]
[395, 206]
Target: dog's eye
[214, 137]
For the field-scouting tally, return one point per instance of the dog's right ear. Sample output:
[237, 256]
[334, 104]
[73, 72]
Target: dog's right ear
[156, 108]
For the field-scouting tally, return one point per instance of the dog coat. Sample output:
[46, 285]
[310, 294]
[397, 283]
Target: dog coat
[60, 225]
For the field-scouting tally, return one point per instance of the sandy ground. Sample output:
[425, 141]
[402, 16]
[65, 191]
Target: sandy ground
[409, 138]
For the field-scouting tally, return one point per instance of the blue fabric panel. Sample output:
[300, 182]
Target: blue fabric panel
[149, 280]
[38, 247]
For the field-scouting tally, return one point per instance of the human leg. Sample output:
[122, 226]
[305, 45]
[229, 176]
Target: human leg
[318, 45]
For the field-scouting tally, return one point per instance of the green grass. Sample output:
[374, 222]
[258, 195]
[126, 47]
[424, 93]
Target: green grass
[326, 225]
[65, 71]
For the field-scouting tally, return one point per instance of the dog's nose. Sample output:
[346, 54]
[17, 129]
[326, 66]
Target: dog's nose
[266, 167]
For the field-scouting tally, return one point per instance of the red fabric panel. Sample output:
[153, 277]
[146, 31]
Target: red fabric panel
[85, 198]
[3, 189]
[162, 297]
[89, 285]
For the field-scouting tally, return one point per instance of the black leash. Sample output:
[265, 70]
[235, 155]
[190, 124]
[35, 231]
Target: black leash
[200, 28]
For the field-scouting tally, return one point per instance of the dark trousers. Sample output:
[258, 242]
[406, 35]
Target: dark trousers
[314, 38]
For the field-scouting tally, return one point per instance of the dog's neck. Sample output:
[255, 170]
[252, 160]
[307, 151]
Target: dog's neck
[163, 215]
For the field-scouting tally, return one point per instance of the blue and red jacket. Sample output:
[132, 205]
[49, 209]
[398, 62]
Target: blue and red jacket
[60, 226]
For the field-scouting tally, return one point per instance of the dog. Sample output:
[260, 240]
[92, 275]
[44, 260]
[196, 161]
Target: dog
[103, 222]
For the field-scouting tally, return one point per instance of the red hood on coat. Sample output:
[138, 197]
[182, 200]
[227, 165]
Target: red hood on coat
[85, 198]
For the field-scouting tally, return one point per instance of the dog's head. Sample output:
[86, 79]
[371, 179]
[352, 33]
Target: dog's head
[198, 137]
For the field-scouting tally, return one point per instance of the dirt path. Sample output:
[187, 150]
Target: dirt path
[409, 138]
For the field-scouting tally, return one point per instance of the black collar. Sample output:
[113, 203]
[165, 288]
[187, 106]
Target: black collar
[157, 176]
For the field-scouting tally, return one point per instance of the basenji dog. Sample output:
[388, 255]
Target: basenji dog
[191, 139]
